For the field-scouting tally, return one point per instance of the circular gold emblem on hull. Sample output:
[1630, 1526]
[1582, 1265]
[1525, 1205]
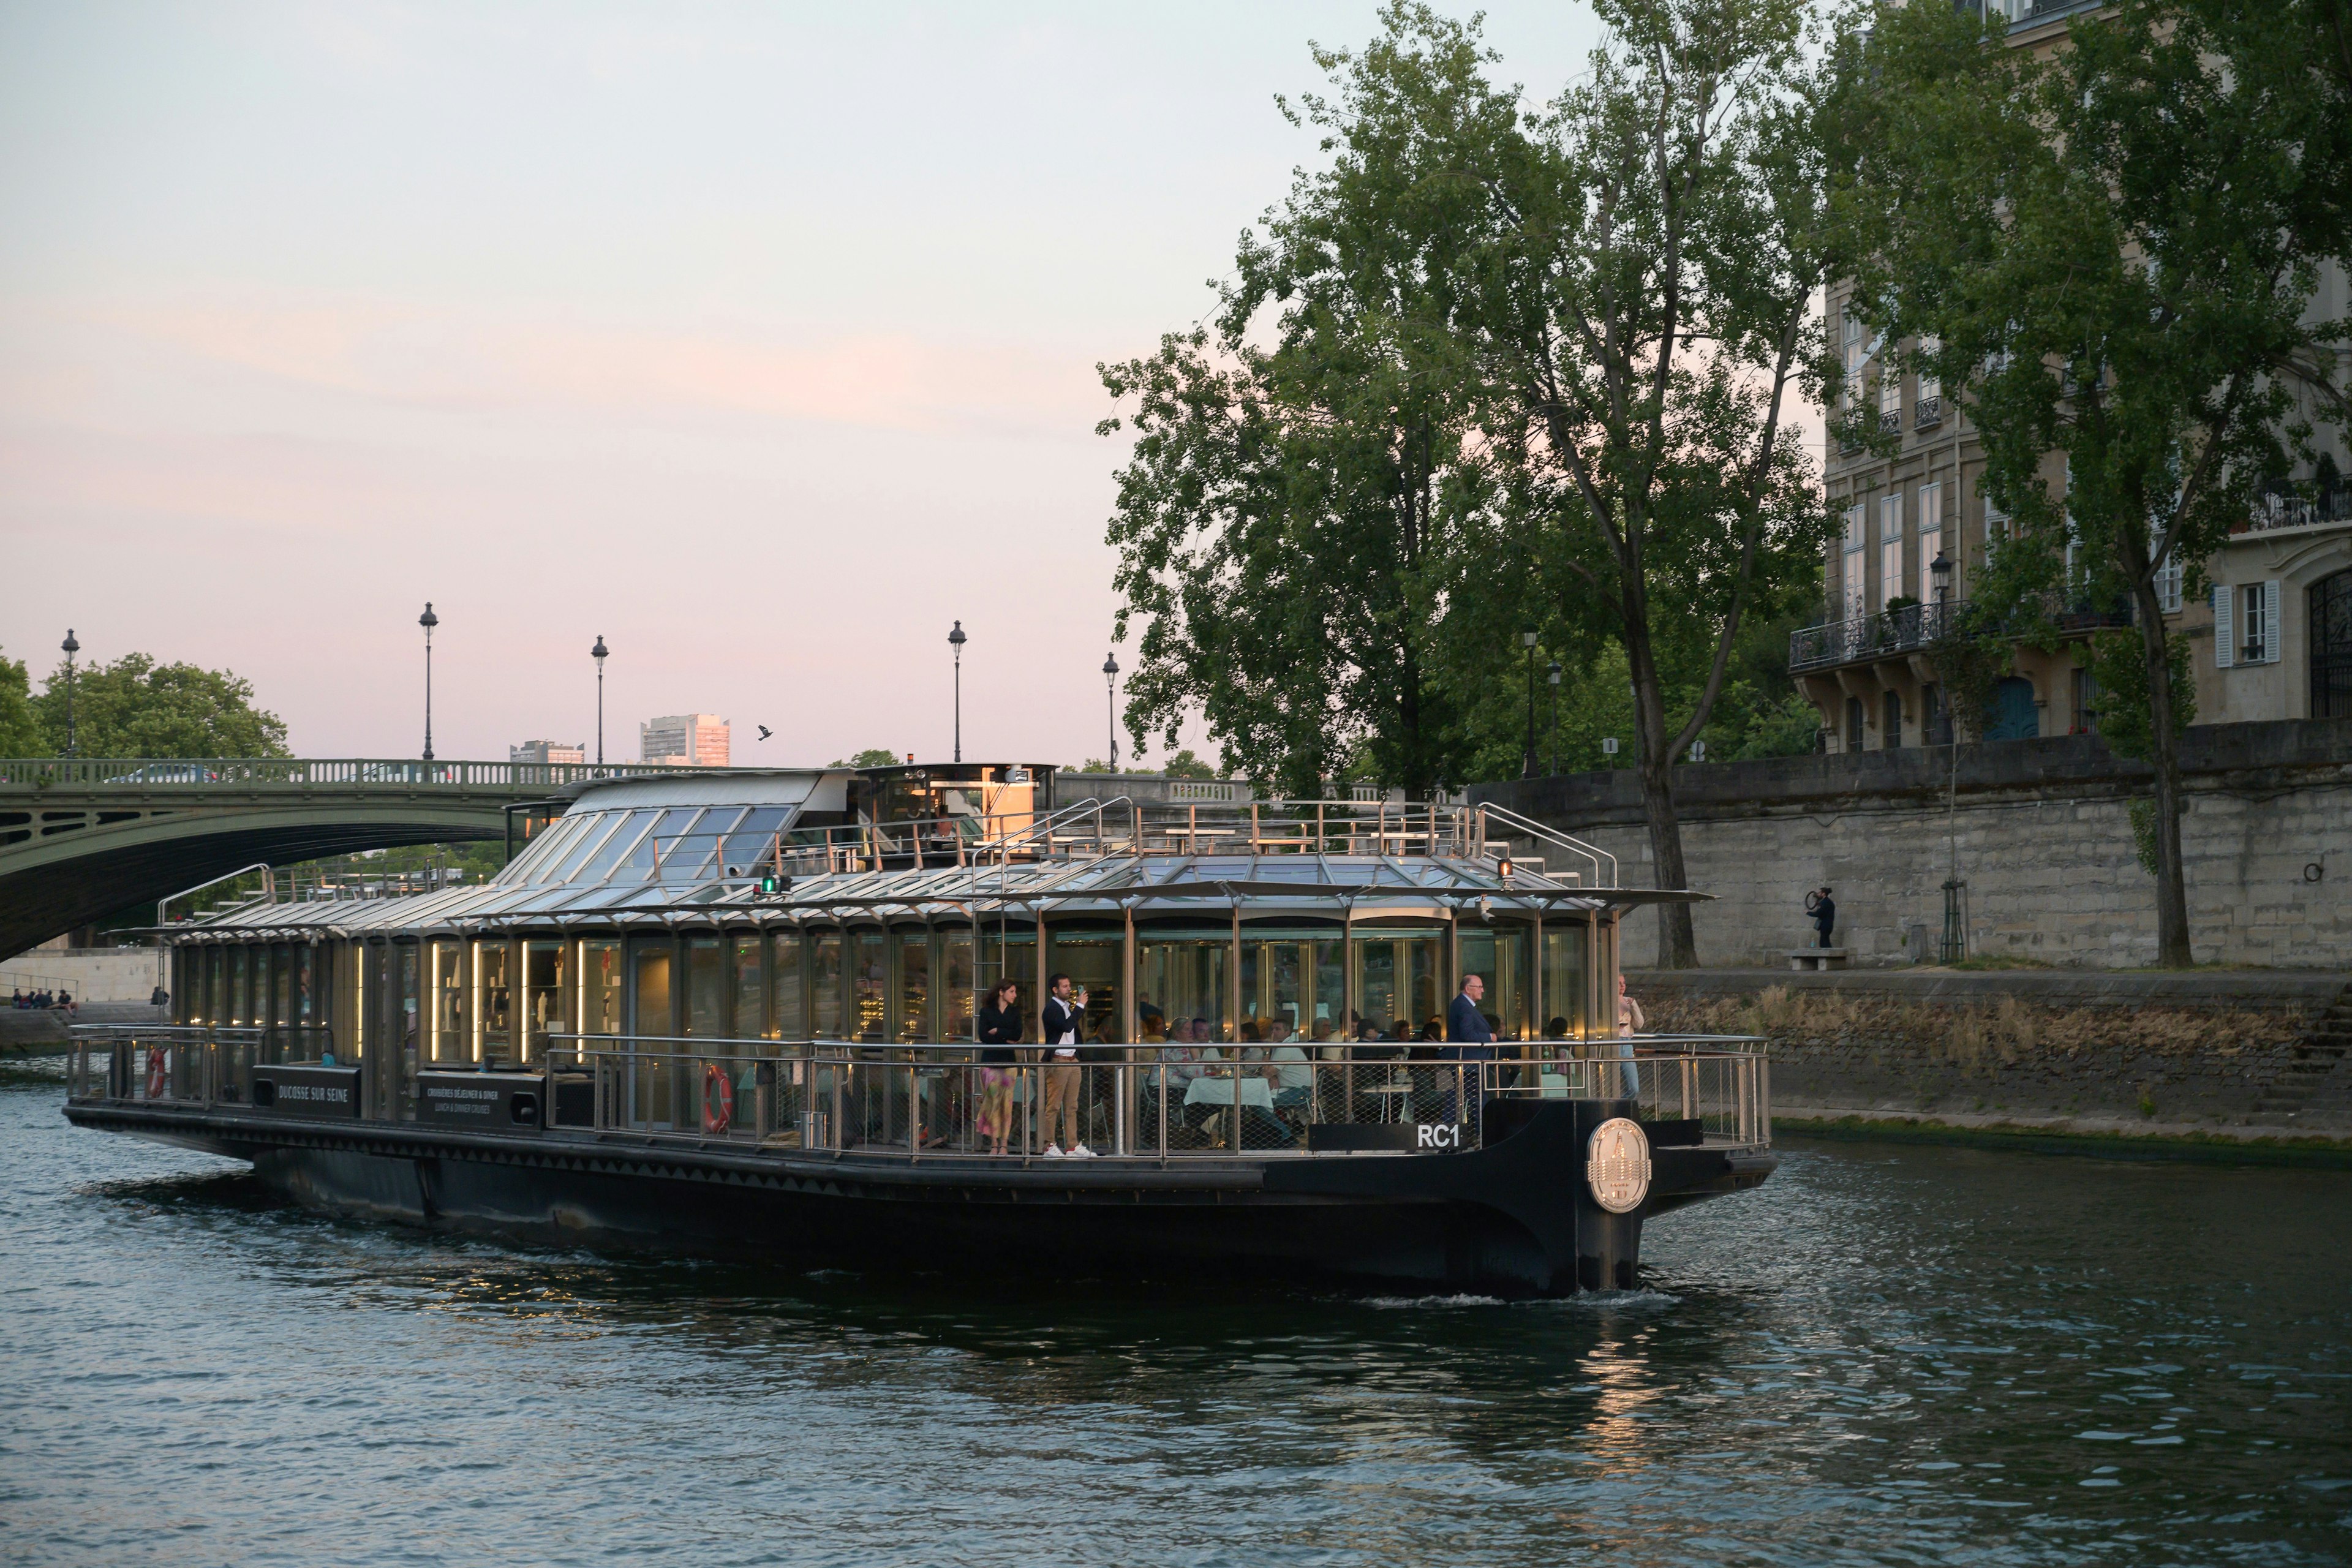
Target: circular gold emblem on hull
[1617, 1165]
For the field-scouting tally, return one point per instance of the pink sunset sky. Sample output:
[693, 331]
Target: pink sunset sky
[758, 339]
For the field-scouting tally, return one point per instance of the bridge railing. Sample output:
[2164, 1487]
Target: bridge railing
[341, 772]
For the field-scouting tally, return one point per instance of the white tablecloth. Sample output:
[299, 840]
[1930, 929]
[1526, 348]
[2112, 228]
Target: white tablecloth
[1220, 1092]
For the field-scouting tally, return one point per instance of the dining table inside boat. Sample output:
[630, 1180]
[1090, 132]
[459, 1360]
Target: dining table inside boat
[1256, 1091]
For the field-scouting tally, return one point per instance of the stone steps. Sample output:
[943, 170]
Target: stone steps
[2315, 1076]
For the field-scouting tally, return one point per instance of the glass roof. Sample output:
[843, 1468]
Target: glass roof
[1154, 886]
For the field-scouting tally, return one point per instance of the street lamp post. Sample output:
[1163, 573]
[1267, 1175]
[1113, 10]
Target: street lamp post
[1527, 763]
[956, 639]
[599, 653]
[1110, 705]
[71, 647]
[1555, 717]
[428, 620]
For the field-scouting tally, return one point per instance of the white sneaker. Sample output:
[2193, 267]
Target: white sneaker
[1053, 1151]
[1082, 1153]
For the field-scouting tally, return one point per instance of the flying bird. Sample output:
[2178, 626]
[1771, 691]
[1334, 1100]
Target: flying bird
[764, 731]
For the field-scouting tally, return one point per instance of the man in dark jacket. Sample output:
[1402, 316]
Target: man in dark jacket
[1822, 909]
[1470, 1040]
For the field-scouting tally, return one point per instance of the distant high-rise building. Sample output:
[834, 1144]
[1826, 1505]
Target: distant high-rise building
[547, 751]
[684, 739]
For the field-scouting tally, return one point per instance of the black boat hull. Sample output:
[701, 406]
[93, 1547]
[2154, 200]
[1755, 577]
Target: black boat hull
[1514, 1218]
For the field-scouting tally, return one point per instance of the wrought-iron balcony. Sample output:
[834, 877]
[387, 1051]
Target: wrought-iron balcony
[1871, 637]
[1931, 411]
[1914, 626]
[2333, 503]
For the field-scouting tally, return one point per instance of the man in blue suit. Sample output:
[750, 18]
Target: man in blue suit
[1468, 1039]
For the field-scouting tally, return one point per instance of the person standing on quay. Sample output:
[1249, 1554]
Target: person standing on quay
[1822, 909]
[1064, 1018]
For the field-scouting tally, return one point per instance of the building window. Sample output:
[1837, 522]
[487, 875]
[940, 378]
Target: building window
[1853, 724]
[1930, 397]
[1996, 528]
[1850, 563]
[1891, 736]
[2331, 646]
[1890, 547]
[2167, 584]
[1890, 396]
[2086, 703]
[1931, 537]
[2258, 623]
[1854, 356]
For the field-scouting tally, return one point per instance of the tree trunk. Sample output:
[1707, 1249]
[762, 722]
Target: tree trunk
[1677, 949]
[2171, 887]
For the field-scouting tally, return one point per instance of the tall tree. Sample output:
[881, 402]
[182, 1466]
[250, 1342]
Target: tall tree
[2113, 247]
[20, 730]
[1662, 235]
[1291, 520]
[138, 707]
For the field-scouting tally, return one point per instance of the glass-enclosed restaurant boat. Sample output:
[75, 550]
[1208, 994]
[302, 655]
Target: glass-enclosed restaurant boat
[735, 1011]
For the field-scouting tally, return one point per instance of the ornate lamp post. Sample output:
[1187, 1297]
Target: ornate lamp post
[428, 620]
[599, 653]
[1110, 705]
[956, 639]
[1555, 716]
[1527, 763]
[71, 647]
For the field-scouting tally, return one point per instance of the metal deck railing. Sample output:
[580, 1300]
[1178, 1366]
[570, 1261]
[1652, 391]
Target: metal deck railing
[845, 1097]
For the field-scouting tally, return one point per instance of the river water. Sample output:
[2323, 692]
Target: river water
[1887, 1356]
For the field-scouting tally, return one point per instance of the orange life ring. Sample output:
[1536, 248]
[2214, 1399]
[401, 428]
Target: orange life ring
[718, 1099]
[157, 1070]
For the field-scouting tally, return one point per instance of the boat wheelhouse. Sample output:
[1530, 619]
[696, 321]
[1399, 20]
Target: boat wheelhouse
[738, 1009]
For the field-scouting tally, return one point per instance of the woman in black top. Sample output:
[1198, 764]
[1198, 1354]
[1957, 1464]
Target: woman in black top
[1000, 1030]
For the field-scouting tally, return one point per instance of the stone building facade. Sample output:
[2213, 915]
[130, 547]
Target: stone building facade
[2271, 640]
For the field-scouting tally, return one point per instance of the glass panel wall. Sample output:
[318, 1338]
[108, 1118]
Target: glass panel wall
[706, 987]
[1292, 986]
[1400, 982]
[750, 1016]
[493, 999]
[788, 994]
[629, 828]
[280, 990]
[826, 991]
[956, 981]
[411, 1023]
[545, 987]
[1565, 985]
[601, 988]
[912, 1022]
[1181, 975]
[870, 978]
[217, 1002]
[1498, 956]
[1093, 959]
[449, 1040]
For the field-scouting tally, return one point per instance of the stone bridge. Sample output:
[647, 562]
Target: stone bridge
[81, 839]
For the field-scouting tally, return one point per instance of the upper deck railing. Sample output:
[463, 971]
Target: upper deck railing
[313, 772]
[1094, 829]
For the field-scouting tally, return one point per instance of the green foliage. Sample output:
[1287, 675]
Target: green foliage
[871, 757]
[2119, 670]
[138, 707]
[2143, 826]
[1183, 764]
[1970, 656]
[20, 730]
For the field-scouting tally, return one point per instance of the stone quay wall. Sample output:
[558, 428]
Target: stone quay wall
[2040, 831]
[2258, 1049]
